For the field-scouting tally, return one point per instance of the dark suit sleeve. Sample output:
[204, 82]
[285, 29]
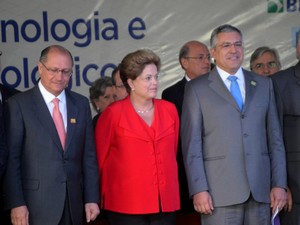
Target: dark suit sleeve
[3, 149]
[278, 101]
[12, 180]
[275, 142]
[90, 166]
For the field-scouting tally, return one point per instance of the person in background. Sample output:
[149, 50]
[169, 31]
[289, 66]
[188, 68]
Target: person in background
[265, 61]
[52, 174]
[3, 160]
[5, 93]
[136, 141]
[101, 95]
[120, 90]
[194, 58]
[287, 89]
[231, 139]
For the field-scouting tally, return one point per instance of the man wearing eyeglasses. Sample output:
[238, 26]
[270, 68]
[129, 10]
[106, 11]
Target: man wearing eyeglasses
[194, 59]
[231, 139]
[265, 61]
[120, 90]
[52, 174]
[287, 89]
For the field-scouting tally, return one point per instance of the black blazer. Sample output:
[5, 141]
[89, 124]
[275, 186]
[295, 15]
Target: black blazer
[287, 90]
[6, 92]
[175, 94]
[3, 150]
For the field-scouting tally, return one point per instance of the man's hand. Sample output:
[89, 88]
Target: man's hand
[203, 202]
[20, 215]
[91, 211]
[278, 198]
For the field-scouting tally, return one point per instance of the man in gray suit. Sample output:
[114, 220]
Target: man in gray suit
[51, 179]
[287, 90]
[233, 154]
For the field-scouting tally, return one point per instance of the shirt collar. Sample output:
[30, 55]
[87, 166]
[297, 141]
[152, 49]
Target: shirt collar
[224, 75]
[187, 77]
[48, 97]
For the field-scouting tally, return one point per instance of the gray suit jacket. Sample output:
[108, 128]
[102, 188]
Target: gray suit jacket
[287, 89]
[229, 152]
[39, 172]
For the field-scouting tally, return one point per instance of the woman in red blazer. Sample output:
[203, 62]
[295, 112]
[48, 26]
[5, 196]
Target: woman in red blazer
[136, 141]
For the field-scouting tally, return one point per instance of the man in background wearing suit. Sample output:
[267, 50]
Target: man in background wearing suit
[232, 149]
[120, 90]
[52, 174]
[194, 58]
[5, 93]
[3, 159]
[287, 90]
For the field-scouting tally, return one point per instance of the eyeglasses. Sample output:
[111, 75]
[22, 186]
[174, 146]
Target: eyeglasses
[200, 58]
[227, 45]
[55, 71]
[269, 65]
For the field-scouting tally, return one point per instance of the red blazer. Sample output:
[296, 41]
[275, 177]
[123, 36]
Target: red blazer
[138, 168]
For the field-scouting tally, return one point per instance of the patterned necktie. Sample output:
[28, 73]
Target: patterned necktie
[235, 91]
[58, 121]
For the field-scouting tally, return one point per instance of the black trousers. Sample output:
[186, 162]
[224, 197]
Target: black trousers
[162, 218]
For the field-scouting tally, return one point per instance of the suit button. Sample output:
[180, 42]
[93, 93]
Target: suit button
[245, 135]
[243, 116]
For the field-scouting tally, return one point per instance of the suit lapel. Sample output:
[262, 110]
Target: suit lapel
[72, 114]
[219, 87]
[43, 115]
[250, 85]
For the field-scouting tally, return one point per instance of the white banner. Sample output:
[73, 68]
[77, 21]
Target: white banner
[99, 33]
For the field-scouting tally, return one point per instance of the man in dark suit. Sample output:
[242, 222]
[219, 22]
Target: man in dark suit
[232, 145]
[194, 59]
[3, 151]
[5, 93]
[287, 90]
[52, 174]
